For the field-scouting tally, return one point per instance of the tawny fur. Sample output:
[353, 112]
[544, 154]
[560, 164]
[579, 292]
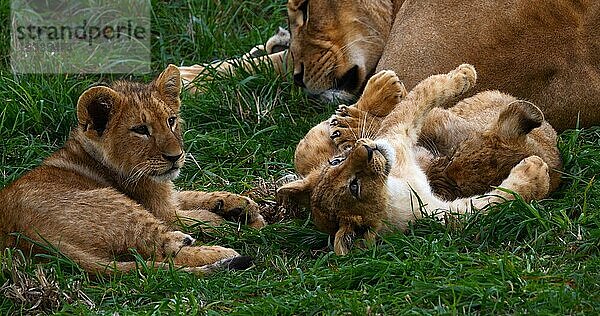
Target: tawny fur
[373, 182]
[109, 189]
[544, 51]
[465, 150]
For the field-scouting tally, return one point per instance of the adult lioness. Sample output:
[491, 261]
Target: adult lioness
[544, 51]
[385, 180]
[109, 188]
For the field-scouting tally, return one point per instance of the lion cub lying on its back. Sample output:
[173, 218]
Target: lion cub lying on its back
[109, 188]
[387, 179]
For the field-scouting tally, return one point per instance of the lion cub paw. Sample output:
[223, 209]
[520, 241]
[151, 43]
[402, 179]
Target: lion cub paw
[382, 93]
[465, 76]
[238, 208]
[175, 240]
[529, 178]
[350, 124]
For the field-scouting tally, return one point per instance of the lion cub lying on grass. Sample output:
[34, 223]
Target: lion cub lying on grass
[109, 188]
[422, 157]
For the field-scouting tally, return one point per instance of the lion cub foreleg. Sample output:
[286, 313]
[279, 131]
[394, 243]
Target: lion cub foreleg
[381, 95]
[408, 117]
[213, 207]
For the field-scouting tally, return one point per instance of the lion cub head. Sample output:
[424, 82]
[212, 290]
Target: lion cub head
[350, 190]
[134, 128]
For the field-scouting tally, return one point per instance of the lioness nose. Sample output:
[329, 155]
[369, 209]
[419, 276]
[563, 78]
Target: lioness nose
[299, 77]
[349, 81]
[172, 158]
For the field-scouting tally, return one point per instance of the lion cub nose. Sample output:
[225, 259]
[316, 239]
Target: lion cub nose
[172, 158]
[369, 145]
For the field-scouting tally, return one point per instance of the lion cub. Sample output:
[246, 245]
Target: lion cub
[389, 179]
[109, 189]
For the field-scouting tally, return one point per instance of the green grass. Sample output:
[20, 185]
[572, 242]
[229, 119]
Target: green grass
[539, 258]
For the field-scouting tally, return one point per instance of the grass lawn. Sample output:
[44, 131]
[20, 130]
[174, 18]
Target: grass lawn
[539, 258]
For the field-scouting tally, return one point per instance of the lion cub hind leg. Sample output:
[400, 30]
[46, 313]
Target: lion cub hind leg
[232, 207]
[529, 178]
[197, 256]
[199, 260]
[173, 242]
[235, 263]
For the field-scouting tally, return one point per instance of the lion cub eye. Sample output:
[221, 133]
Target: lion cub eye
[354, 187]
[141, 129]
[336, 161]
[171, 121]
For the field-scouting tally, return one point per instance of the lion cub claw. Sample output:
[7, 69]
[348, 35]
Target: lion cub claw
[382, 93]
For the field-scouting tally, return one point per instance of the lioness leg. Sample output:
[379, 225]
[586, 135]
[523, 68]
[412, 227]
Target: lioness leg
[194, 76]
[274, 52]
[224, 204]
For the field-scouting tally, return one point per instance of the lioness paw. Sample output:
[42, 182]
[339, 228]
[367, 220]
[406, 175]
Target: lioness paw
[278, 42]
[189, 75]
[382, 93]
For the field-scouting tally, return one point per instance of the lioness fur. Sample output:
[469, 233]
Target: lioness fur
[544, 51]
[109, 189]
[389, 179]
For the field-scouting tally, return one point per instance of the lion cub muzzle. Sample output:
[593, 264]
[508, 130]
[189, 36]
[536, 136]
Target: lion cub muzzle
[372, 156]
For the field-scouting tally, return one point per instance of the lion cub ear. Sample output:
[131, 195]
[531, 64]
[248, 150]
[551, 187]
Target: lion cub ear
[518, 119]
[298, 191]
[94, 109]
[168, 85]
